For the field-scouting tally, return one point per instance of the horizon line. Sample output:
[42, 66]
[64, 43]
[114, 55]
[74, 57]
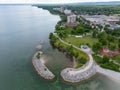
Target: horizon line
[30, 3]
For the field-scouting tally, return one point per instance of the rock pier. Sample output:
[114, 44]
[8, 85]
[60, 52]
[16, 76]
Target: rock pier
[40, 67]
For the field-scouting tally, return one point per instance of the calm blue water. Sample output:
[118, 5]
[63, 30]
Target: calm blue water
[21, 29]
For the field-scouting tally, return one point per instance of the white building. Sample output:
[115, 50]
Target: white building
[71, 18]
[61, 9]
[67, 12]
[102, 19]
[115, 26]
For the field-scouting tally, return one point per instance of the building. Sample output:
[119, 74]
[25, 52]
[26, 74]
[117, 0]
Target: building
[106, 52]
[71, 18]
[67, 12]
[115, 26]
[71, 21]
[56, 9]
[62, 9]
[102, 19]
[112, 21]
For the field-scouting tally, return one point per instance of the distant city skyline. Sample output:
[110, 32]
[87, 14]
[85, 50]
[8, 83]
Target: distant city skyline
[50, 1]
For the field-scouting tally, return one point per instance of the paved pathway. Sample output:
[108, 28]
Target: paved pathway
[79, 74]
[110, 73]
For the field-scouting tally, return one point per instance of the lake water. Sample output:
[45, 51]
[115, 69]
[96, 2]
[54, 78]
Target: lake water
[21, 29]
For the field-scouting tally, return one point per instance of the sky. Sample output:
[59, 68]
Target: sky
[51, 1]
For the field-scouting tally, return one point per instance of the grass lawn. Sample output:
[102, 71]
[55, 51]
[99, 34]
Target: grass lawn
[81, 53]
[81, 40]
[117, 58]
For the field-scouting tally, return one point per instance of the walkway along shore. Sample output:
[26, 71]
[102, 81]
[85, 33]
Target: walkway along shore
[113, 75]
[73, 75]
[88, 70]
[41, 69]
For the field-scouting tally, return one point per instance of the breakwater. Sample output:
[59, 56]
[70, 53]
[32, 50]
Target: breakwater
[40, 67]
[85, 72]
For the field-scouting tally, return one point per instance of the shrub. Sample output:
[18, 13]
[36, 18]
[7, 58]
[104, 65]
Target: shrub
[38, 55]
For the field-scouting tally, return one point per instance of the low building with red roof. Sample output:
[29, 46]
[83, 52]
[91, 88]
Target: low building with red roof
[106, 52]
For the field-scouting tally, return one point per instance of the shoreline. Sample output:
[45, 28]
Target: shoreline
[92, 71]
[113, 75]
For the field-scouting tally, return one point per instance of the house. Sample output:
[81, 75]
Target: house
[106, 52]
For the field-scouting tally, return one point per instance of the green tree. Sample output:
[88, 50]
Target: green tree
[80, 29]
[38, 55]
[82, 60]
[119, 45]
[110, 38]
[103, 41]
[52, 38]
[95, 33]
[112, 46]
[105, 59]
[102, 35]
[96, 47]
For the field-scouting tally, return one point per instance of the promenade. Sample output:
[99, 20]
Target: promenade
[73, 75]
[113, 75]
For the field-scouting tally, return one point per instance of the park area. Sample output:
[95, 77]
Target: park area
[78, 41]
[80, 56]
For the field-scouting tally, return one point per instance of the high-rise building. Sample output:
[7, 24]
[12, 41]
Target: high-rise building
[71, 18]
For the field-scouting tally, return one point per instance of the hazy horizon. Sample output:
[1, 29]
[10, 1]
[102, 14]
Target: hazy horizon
[49, 1]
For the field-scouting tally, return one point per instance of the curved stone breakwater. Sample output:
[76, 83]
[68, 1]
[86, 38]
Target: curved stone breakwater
[80, 74]
[42, 70]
